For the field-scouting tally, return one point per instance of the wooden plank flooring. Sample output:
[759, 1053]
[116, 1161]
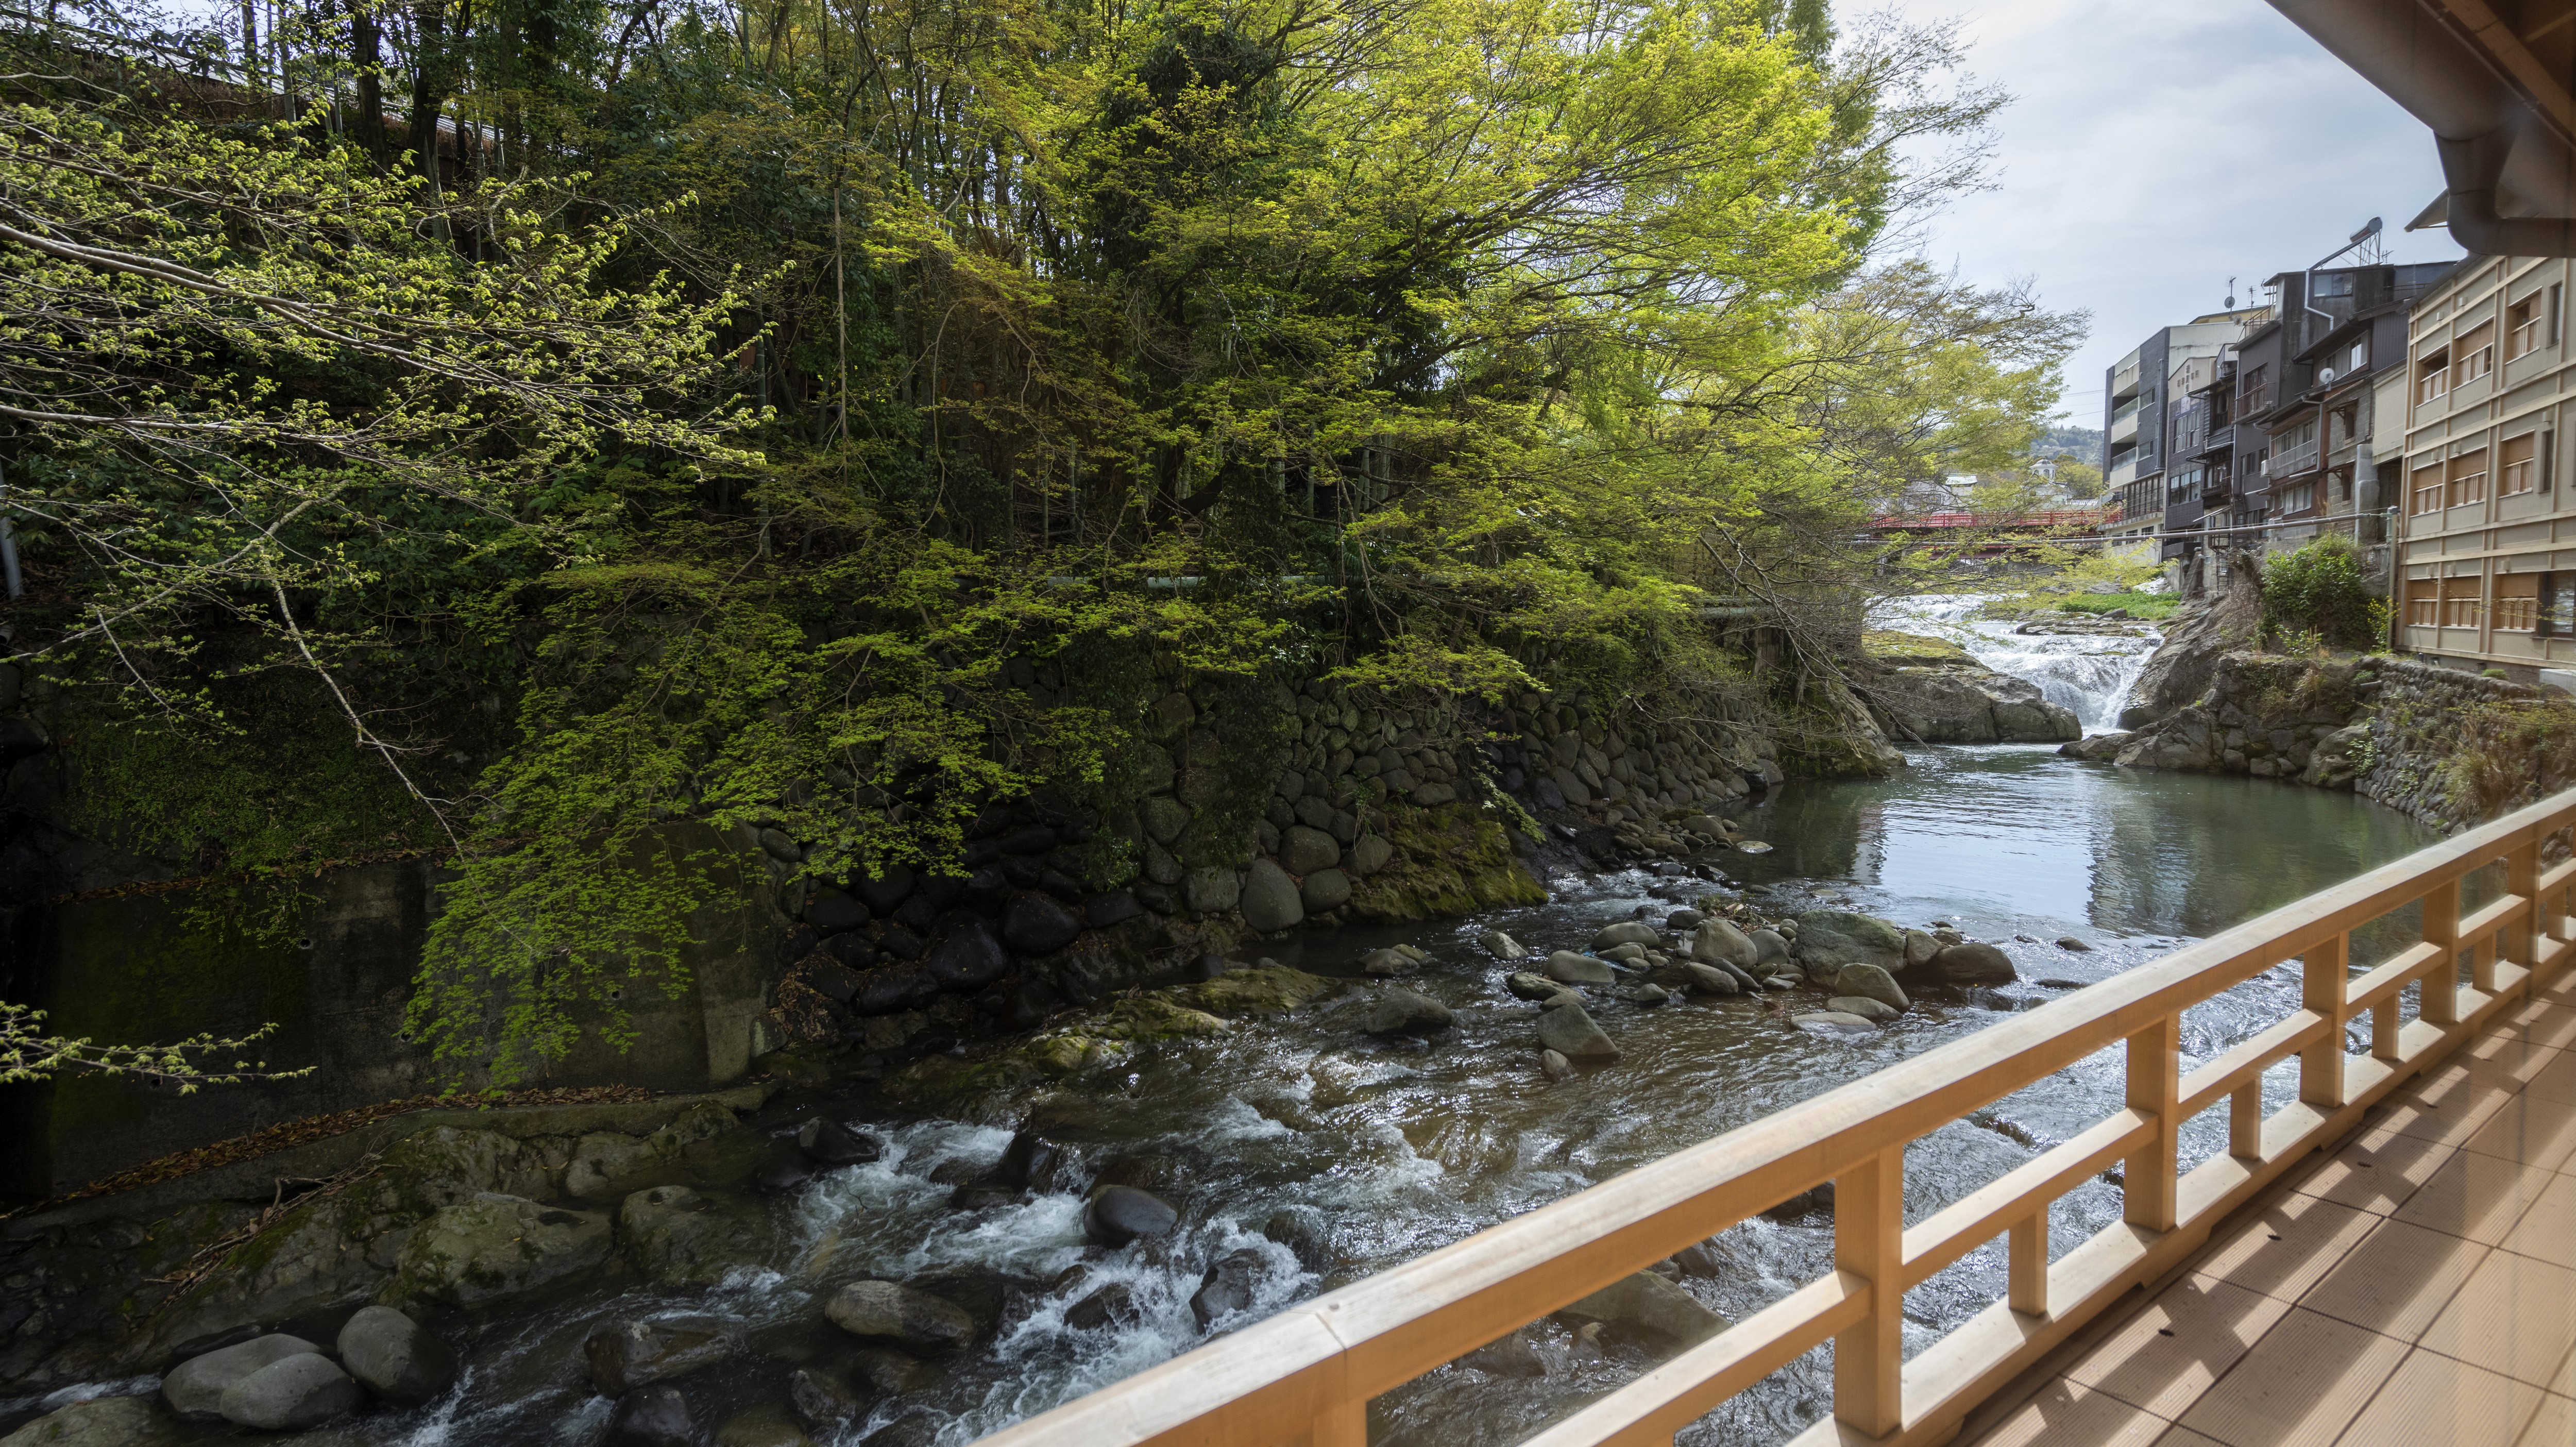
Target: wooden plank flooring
[2414, 1288]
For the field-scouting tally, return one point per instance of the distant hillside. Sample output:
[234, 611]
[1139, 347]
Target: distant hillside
[2084, 442]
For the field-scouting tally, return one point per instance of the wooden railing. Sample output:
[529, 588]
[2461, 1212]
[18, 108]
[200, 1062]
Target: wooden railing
[1305, 1375]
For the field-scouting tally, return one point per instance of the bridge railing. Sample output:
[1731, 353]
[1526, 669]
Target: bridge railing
[1305, 1375]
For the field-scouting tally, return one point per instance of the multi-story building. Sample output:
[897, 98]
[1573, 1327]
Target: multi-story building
[2140, 420]
[2488, 533]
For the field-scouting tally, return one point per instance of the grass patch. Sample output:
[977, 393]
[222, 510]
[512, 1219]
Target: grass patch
[1890, 646]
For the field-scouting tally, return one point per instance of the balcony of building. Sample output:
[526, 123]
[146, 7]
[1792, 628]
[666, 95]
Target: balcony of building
[2124, 380]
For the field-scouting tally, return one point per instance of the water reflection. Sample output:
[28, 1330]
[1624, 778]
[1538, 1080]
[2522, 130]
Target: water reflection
[2014, 836]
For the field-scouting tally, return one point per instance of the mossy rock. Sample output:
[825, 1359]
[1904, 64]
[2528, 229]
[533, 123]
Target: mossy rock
[1452, 859]
[1889, 646]
[1264, 990]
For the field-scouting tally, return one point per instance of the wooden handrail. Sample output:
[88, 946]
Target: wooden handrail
[1305, 1375]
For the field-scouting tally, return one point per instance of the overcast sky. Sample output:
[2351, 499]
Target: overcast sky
[2152, 151]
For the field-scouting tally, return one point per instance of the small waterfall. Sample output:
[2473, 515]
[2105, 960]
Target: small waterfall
[2089, 674]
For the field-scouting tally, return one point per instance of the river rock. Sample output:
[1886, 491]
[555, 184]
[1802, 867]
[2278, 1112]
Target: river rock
[99, 1422]
[629, 1354]
[969, 958]
[1646, 992]
[1037, 925]
[680, 1237]
[494, 1247]
[784, 1176]
[1323, 890]
[2070, 942]
[1512, 1356]
[1972, 962]
[826, 1400]
[1212, 890]
[762, 1426]
[890, 1373]
[395, 1357]
[1647, 1306]
[894, 1312]
[194, 1389]
[1567, 967]
[1626, 932]
[653, 1417]
[1228, 1287]
[2096, 748]
[2179, 671]
[1502, 946]
[1270, 900]
[1306, 1234]
[1369, 854]
[1116, 1215]
[1402, 1012]
[830, 1143]
[1833, 1023]
[1554, 1066]
[1919, 949]
[1533, 987]
[1684, 919]
[1710, 980]
[1770, 947]
[1876, 1011]
[1571, 1033]
[1871, 983]
[1389, 961]
[1111, 1305]
[291, 1394]
[1717, 942]
[1829, 939]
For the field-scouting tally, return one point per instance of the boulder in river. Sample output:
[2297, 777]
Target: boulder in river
[1829, 939]
[1567, 967]
[1710, 980]
[891, 1311]
[1648, 1307]
[1626, 932]
[1502, 946]
[1512, 1356]
[1532, 987]
[494, 1247]
[2179, 671]
[890, 1373]
[1402, 1012]
[1111, 1305]
[1325, 889]
[2070, 942]
[765, 1425]
[1269, 898]
[624, 1355]
[1875, 1011]
[830, 1143]
[1971, 962]
[1389, 961]
[1117, 1215]
[1833, 1023]
[825, 1400]
[1227, 1287]
[1570, 1032]
[291, 1394]
[653, 1417]
[1870, 982]
[1770, 947]
[681, 1237]
[99, 1422]
[1684, 919]
[395, 1357]
[1955, 699]
[1555, 1066]
[194, 1389]
[1717, 942]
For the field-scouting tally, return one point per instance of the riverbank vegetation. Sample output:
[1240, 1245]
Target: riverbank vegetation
[499, 431]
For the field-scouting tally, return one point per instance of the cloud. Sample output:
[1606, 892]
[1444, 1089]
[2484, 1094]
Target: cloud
[2154, 151]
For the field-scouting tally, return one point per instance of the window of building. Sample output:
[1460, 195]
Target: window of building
[2433, 375]
[2359, 357]
[2254, 391]
[2476, 351]
[2469, 478]
[2296, 500]
[2427, 494]
[2334, 283]
[2342, 484]
[2424, 604]
[2517, 603]
[2461, 604]
[2522, 327]
[2557, 605]
[2521, 471]
[2556, 297]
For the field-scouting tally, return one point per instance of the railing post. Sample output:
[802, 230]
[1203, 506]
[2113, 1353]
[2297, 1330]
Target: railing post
[1869, 1241]
[2245, 1121]
[2027, 1263]
[2325, 988]
[2155, 1087]
[2437, 998]
[2522, 937]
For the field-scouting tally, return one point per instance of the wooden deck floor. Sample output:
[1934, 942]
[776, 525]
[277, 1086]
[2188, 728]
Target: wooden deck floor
[2415, 1288]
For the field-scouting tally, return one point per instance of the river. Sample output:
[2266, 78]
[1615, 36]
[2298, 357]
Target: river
[1386, 1150]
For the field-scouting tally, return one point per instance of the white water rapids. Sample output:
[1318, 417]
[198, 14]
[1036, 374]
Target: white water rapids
[2088, 673]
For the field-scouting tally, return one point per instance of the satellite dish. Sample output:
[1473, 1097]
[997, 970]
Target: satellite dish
[2325, 374]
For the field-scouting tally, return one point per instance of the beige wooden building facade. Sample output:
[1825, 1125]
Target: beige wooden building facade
[2487, 574]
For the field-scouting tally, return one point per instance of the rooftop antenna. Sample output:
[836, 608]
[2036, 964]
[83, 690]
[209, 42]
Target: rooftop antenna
[2231, 293]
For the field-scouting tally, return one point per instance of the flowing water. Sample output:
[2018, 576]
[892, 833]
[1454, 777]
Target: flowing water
[1388, 1149]
[2087, 673]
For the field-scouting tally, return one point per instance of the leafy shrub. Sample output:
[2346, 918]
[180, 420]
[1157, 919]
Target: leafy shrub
[2319, 590]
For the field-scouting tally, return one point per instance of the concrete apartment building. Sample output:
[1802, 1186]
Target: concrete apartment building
[2488, 537]
[2138, 420]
